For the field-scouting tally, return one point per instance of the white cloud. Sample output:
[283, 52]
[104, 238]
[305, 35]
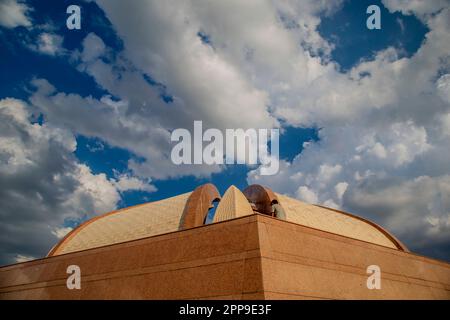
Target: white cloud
[445, 125]
[126, 182]
[214, 82]
[305, 194]
[388, 134]
[327, 172]
[43, 185]
[93, 48]
[386, 127]
[418, 7]
[340, 188]
[383, 151]
[21, 258]
[116, 122]
[443, 86]
[14, 13]
[203, 82]
[417, 209]
[48, 43]
[61, 232]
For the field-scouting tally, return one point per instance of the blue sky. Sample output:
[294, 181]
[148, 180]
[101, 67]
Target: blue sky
[346, 46]
[20, 65]
[24, 65]
[354, 43]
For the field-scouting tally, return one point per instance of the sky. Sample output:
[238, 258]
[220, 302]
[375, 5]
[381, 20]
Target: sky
[86, 115]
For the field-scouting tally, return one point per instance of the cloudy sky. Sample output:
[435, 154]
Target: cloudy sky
[86, 115]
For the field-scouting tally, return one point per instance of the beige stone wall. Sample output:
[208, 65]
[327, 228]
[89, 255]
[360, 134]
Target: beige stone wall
[252, 257]
[219, 261]
[302, 263]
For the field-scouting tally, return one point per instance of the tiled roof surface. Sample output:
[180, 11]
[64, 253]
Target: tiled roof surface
[127, 224]
[332, 221]
[165, 215]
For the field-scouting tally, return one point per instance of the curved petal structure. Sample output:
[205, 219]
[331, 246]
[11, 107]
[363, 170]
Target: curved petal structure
[198, 205]
[233, 205]
[190, 210]
[263, 198]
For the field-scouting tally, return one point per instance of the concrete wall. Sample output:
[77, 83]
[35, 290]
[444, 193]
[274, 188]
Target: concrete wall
[252, 257]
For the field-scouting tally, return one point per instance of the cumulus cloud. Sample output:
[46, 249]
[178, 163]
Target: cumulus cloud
[384, 146]
[48, 43]
[443, 87]
[126, 182]
[305, 194]
[93, 48]
[209, 82]
[208, 87]
[14, 13]
[417, 209]
[421, 9]
[116, 123]
[384, 138]
[21, 258]
[390, 123]
[60, 232]
[43, 185]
